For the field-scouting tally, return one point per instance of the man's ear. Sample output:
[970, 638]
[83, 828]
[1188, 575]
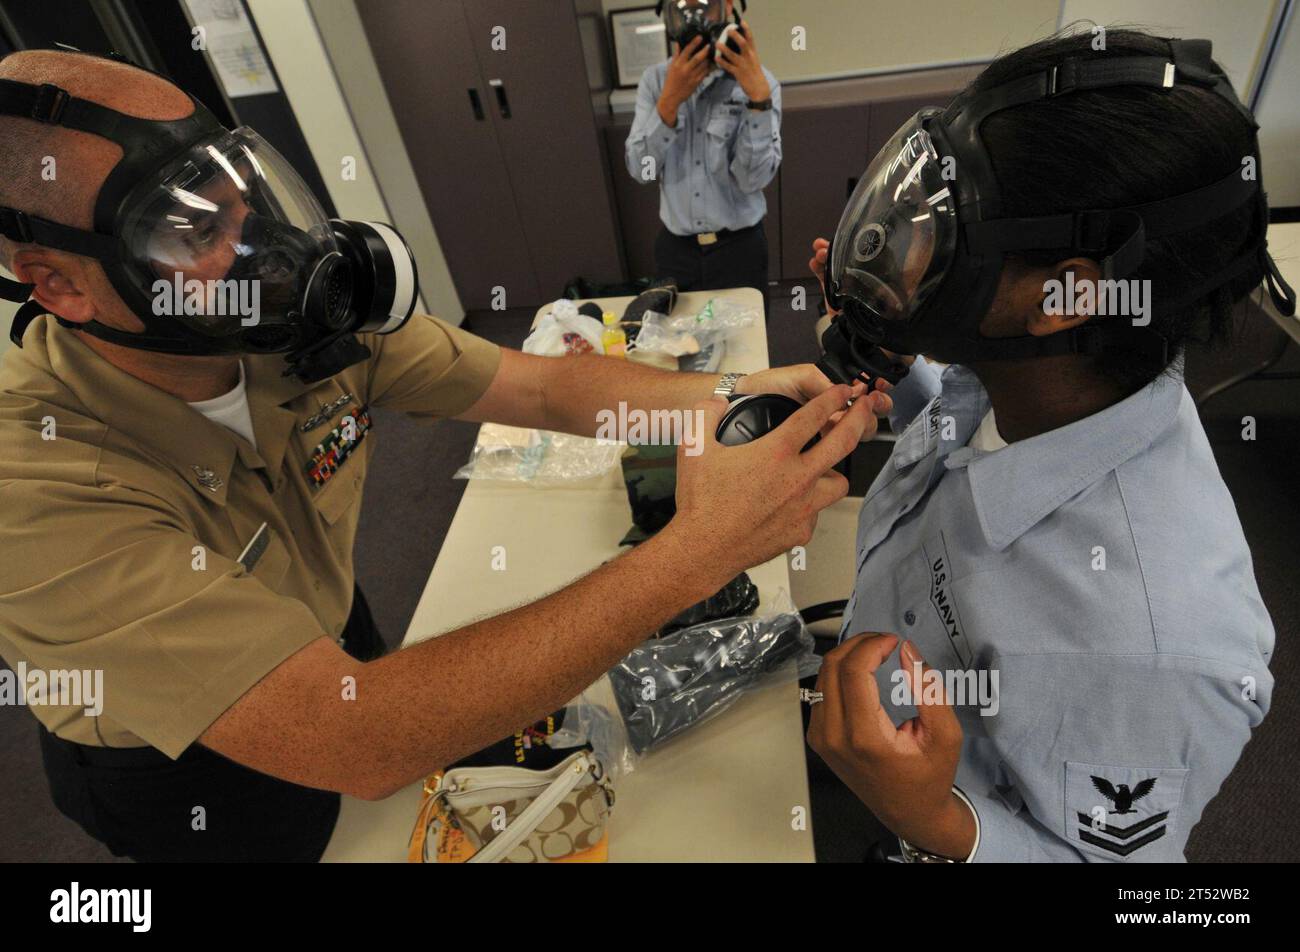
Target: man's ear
[57, 285]
[1068, 299]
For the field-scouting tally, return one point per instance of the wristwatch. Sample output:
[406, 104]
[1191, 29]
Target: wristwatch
[912, 854]
[727, 385]
[762, 105]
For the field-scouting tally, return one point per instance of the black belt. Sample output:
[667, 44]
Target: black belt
[706, 238]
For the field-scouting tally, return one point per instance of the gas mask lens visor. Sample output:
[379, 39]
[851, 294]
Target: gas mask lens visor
[685, 19]
[897, 234]
[230, 237]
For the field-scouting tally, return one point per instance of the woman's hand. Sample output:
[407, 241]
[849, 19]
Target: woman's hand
[904, 774]
[817, 264]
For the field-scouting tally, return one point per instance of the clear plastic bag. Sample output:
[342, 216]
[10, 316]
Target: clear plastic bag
[684, 334]
[699, 342]
[667, 685]
[563, 332]
[538, 457]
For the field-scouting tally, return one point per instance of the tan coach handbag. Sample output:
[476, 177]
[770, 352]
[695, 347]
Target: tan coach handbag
[515, 814]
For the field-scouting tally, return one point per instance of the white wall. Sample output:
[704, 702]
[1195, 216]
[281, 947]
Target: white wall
[864, 36]
[1237, 28]
[847, 37]
[854, 37]
[1278, 114]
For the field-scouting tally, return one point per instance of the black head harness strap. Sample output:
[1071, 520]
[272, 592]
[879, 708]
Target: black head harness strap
[146, 145]
[1116, 238]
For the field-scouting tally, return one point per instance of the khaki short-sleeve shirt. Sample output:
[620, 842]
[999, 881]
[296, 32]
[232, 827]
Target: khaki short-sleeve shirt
[124, 514]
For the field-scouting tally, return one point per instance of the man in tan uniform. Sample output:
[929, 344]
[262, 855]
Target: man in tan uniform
[183, 524]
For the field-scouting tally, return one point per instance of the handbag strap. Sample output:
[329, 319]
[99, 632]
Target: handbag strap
[537, 811]
[415, 848]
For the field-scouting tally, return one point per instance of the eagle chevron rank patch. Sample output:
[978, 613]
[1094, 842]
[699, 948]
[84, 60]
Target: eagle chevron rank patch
[1123, 813]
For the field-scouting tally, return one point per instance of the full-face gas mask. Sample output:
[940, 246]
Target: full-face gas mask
[916, 259]
[684, 20]
[216, 244]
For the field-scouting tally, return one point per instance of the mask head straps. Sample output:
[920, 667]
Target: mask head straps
[1116, 238]
[146, 144]
[744, 8]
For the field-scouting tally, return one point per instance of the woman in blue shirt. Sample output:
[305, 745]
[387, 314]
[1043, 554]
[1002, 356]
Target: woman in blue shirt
[1055, 649]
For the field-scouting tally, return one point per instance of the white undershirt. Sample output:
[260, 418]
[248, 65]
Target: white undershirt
[986, 438]
[231, 410]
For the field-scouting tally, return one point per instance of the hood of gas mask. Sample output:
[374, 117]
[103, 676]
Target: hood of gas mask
[216, 244]
[916, 258]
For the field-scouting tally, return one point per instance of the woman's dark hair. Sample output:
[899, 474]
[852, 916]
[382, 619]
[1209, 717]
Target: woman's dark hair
[1127, 145]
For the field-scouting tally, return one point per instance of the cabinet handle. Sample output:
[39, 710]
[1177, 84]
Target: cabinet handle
[476, 104]
[503, 103]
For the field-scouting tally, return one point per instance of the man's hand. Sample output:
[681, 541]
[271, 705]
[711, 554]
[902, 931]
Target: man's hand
[687, 69]
[742, 505]
[903, 774]
[801, 382]
[744, 66]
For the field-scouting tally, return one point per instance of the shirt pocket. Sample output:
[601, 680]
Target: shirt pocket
[337, 497]
[895, 493]
[341, 483]
[1124, 813]
[719, 133]
[929, 614]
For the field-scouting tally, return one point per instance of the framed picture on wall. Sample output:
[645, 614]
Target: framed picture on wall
[639, 41]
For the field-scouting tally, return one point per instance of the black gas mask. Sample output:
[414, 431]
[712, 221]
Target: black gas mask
[916, 258]
[684, 20]
[216, 244]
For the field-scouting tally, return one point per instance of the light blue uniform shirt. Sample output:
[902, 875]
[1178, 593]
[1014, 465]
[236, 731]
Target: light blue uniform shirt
[1101, 572]
[713, 165]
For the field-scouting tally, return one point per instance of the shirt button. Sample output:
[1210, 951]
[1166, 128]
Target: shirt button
[909, 617]
[697, 161]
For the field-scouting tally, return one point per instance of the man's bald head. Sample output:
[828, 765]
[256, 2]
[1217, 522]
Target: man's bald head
[53, 172]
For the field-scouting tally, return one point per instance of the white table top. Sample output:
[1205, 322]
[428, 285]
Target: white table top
[1284, 245]
[725, 791]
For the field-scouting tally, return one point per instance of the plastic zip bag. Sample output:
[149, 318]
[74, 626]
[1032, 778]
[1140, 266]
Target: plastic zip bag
[538, 457]
[667, 685]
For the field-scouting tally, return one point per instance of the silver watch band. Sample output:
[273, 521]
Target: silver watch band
[727, 385]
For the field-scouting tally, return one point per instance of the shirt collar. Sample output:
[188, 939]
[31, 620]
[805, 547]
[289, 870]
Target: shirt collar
[1016, 487]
